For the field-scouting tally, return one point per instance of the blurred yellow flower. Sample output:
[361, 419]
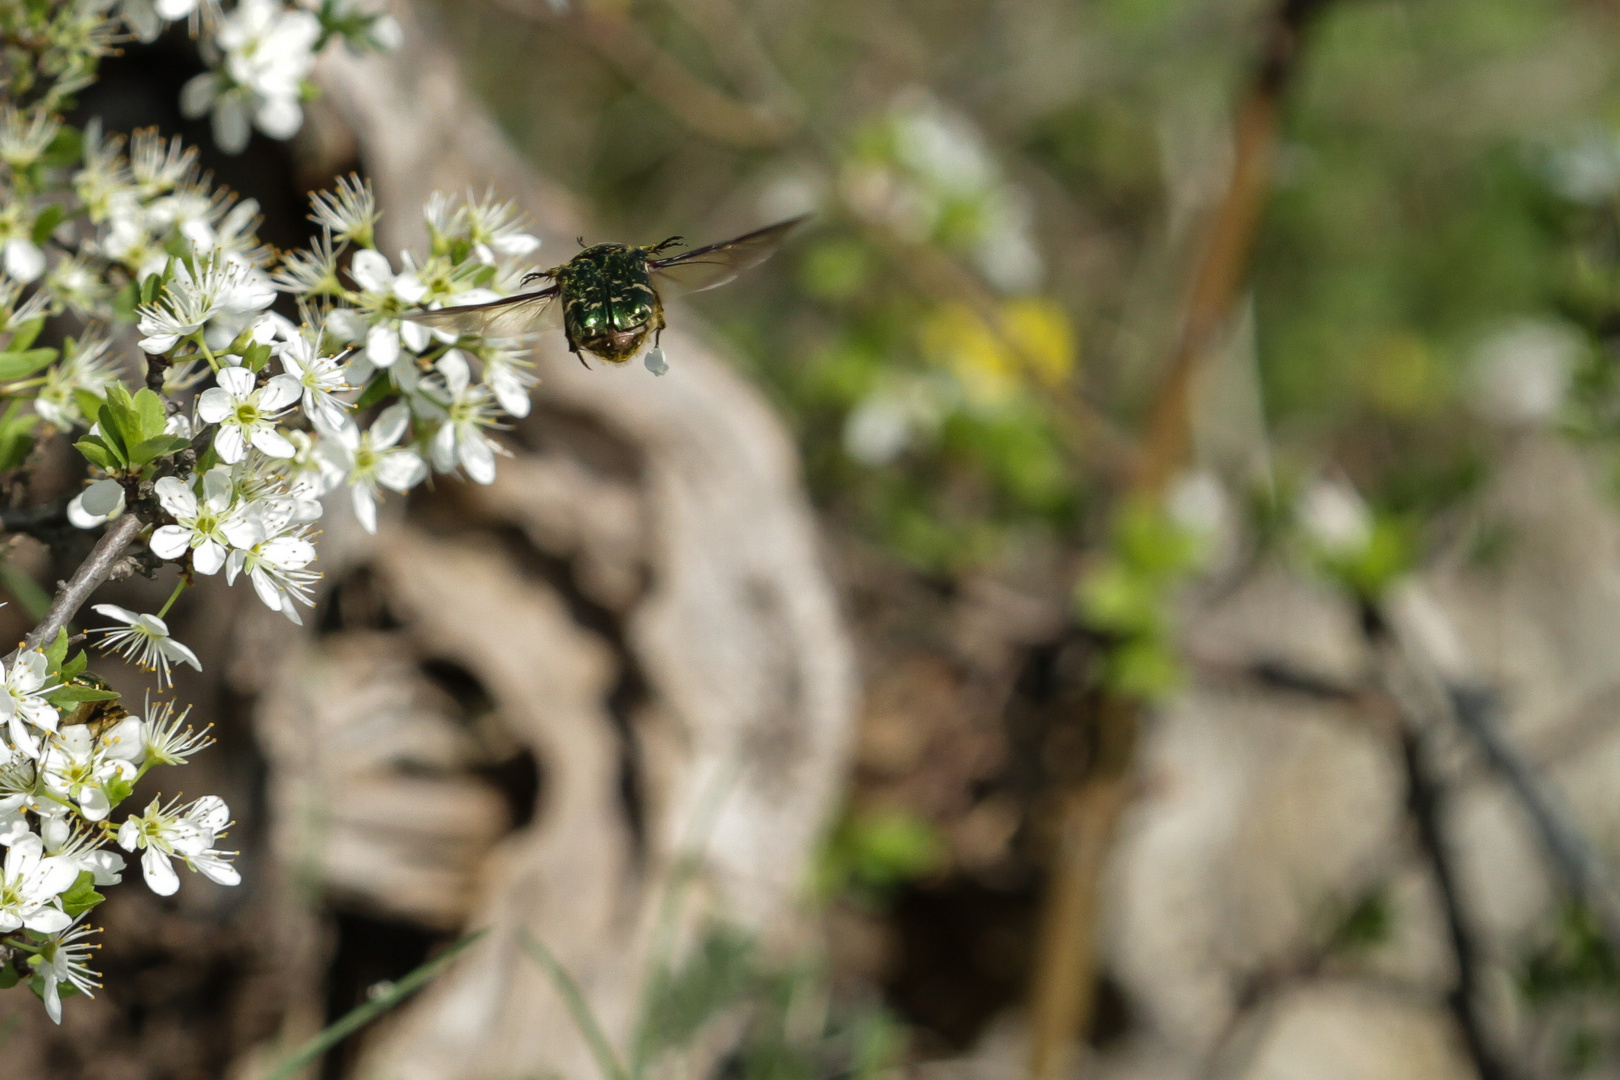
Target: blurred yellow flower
[1033, 341]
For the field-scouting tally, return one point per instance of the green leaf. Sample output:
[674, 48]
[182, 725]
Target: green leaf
[20, 365]
[66, 149]
[377, 389]
[16, 428]
[255, 357]
[157, 447]
[89, 402]
[96, 453]
[125, 301]
[75, 664]
[82, 896]
[118, 789]
[72, 695]
[57, 652]
[149, 409]
[24, 335]
[9, 977]
[112, 420]
[152, 284]
[49, 218]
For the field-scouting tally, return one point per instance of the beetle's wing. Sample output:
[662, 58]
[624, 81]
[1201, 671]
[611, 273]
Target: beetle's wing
[510, 315]
[714, 265]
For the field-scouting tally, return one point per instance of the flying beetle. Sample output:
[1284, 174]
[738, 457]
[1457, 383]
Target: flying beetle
[610, 296]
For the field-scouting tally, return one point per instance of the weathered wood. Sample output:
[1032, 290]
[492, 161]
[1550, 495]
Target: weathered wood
[664, 612]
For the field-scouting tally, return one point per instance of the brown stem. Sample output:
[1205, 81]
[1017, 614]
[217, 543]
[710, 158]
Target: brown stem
[1061, 992]
[85, 580]
[702, 108]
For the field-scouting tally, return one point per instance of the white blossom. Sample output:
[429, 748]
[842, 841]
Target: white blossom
[169, 832]
[386, 293]
[144, 640]
[23, 703]
[321, 377]
[96, 504]
[349, 214]
[75, 765]
[373, 458]
[218, 287]
[29, 885]
[278, 565]
[64, 960]
[269, 50]
[246, 413]
[164, 741]
[460, 439]
[208, 527]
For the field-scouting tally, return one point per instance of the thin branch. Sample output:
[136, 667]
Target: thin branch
[86, 579]
[34, 520]
[1062, 994]
[701, 107]
[1476, 711]
[1425, 802]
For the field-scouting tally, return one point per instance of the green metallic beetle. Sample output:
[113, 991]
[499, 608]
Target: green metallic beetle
[610, 294]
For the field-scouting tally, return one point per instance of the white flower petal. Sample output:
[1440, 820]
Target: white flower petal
[236, 381]
[170, 542]
[48, 920]
[113, 611]
[280, 392]
[175, 496]
[371, 271]
[364, 498]
[272, 443]
[102, 498]
[215, 404]
[416, 336]
[382, 346]
[478, 458]
[401, 470]
[208, 558]
[228, 443]
[159, 874]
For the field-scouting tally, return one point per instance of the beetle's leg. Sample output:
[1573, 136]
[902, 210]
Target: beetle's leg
[661, 247]
[538, 275]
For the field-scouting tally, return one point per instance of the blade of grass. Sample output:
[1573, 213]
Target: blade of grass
[35, 600]
[362, 1015]
[584, 1018]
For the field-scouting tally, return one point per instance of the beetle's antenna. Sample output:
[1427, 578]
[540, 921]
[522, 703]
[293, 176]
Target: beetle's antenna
[580, 240]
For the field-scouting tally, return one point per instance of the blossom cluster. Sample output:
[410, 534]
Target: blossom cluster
[259, 53]
[223, 398]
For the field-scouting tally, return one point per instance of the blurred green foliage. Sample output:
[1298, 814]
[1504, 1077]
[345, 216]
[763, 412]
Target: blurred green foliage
[870, 854]
[1008, 203]
[1572, 984]
[1126, 594]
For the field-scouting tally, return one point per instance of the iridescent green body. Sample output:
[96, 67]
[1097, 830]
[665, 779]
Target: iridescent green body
[608, 295]
[609, 305]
